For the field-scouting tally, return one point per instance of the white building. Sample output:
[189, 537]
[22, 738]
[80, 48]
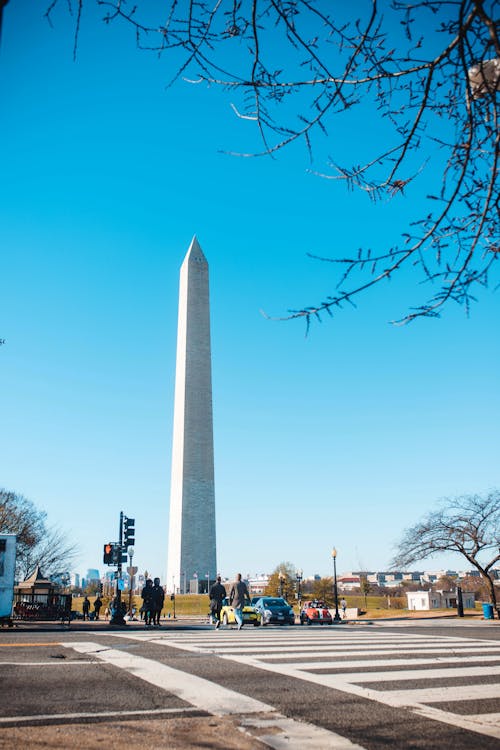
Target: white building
[349, 582]
[427, 600]
[258, 583]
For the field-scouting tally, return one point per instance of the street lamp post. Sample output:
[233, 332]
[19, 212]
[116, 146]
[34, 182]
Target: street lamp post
[335, 591]
[298, 578]
[460, 602]
[130, 552]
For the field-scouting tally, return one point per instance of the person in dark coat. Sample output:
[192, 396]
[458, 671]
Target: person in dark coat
[158, 597]
[217, 593]
[86, 608]
[147, 602]
[239, 593]
[97, 606]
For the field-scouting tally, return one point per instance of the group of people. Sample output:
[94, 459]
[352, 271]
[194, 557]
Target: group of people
[153, 597]
[239, 592]
[86, 608]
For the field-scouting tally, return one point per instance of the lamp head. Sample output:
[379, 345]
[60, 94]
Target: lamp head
[334, 553]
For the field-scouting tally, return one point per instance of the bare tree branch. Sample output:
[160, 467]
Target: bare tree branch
[37, 544]
[468, 525]
[427, 71]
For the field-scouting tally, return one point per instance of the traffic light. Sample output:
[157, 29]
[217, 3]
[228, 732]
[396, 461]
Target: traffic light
[108, 554]
[128, 532]
[101, 587]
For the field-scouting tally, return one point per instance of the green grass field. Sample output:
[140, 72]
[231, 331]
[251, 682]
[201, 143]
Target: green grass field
[197, 605]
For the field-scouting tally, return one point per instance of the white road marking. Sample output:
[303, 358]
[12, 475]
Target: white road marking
[195, 690]
[270, 653]
[94, 715]
[220, 701]
[417, 674]
[262, 652]
[435, 695]
[411, 699]
[367, 663]
[55, 663]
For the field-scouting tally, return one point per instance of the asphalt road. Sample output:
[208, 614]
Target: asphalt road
[412, 685]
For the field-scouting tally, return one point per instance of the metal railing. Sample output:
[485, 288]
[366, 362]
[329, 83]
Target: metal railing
[39, 607]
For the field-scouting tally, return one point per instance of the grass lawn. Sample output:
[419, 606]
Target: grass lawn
[197, 605]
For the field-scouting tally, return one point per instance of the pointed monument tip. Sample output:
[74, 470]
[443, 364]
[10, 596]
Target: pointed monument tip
[195, 252]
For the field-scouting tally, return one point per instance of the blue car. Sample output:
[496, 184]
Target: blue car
[274, 610]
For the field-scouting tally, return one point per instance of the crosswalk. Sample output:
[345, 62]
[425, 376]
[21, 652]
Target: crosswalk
[444, 678]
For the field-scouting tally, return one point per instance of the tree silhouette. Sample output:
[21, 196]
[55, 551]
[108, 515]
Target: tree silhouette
[426, 74]
[469, 525]
[37, 543]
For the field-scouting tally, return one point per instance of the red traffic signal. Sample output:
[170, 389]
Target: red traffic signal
[108, 554]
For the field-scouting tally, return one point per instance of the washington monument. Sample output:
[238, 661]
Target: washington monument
[191, 540]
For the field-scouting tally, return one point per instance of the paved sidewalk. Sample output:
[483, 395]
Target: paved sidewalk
[200, 621]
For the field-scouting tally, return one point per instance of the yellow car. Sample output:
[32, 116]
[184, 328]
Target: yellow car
[250, 614]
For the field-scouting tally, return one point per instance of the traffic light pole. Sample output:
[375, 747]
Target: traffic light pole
[117, 618]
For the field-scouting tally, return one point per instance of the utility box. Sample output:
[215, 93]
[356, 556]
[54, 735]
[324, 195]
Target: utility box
[7, 568]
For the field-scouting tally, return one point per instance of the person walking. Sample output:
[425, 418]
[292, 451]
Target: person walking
[147, 602]
[217, 593]
[239, 592]
[343, 604]
[158, 597]
[86, 608]
[97, 606]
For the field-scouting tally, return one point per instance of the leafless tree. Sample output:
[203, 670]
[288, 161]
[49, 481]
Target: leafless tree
[37, 544]
[469, 525]
[425, 75]
[365, 588]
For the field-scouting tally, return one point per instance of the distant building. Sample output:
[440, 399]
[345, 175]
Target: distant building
[431, 576]
[348, 583]
[258, 583]
[92, 575]
[494, 572]
[75, 580]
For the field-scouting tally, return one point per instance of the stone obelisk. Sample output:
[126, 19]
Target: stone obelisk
[191, 542]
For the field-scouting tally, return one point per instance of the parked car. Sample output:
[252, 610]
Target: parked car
[316, 612]
[274, 609]
[250, 614]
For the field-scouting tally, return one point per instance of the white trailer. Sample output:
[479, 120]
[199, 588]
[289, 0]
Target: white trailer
[7, 568]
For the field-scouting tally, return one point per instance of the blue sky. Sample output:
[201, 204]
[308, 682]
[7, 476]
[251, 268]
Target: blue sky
[342, 438]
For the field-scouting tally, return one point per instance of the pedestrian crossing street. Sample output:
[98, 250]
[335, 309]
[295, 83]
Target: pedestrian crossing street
[449, 679]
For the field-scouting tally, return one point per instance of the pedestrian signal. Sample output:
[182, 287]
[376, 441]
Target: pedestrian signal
[128, 531]
[108, 554]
